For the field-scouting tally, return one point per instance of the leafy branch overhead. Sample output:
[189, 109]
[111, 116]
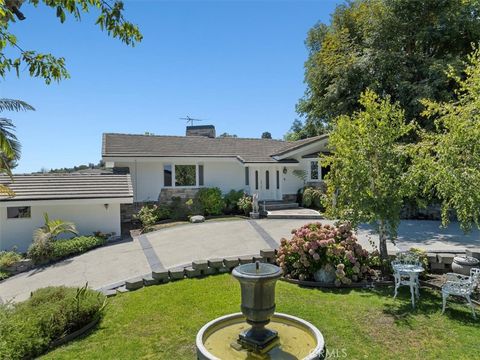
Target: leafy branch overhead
[47, 66]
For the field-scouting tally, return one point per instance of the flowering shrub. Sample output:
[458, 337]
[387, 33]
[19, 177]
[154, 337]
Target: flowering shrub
[245, 203]
[333, 249]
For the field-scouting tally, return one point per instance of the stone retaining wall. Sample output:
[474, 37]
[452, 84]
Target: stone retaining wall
[128, 210]
[166, 194]
[20, 266]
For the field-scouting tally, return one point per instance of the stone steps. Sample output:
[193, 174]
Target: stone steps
[273, 205]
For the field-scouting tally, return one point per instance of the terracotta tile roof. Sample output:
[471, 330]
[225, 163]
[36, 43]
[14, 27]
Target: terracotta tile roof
[67, 186]
[245, 150]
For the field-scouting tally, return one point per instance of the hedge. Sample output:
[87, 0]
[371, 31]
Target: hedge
[60, 249]
[28, 329]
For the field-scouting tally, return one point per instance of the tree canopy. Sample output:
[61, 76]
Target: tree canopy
[227, 135]
[446, 163]
[266, 135]
[51, 68]
[397, 47]
[367, 181]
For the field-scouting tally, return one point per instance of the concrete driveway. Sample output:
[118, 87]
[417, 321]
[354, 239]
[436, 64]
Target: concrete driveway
[98, 267]
[182, 244]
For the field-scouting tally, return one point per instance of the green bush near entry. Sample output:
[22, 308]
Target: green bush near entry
[231, 201]
[245, 204]
[312, 197]
[27, 329]
[46, 251]
[210, 199]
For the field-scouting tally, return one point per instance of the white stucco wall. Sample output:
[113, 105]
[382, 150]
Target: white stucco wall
[225, 175]
[147, 177]
[87, 217]
[291, 183]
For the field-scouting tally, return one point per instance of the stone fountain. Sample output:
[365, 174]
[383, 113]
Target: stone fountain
[258, 332]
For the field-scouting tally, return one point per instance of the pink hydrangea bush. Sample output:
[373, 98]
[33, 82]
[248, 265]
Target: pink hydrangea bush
[315, 246]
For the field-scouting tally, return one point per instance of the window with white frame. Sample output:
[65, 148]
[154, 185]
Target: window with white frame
[180, 175]
[314, 172]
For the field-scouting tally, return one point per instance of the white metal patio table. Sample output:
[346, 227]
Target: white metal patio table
[408, 274]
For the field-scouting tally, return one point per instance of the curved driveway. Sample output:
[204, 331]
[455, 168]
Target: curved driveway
[182, 244]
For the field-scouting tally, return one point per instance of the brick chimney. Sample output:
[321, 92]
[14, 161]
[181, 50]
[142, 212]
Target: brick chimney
[201, 130]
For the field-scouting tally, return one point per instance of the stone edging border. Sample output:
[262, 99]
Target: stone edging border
[202, 268]
[82, 331]
[358, 285]
[195, 269]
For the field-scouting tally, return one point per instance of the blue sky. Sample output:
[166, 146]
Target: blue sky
[238, 64]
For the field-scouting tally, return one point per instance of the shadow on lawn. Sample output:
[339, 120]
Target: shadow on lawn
[400, 309]
[430, 303]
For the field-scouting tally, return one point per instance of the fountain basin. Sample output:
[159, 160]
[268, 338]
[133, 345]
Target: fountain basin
[298, 339]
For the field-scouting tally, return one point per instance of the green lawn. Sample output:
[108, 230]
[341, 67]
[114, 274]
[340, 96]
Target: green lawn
[160, 322]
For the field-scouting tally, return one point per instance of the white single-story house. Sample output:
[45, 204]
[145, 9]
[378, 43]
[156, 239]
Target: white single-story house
[92, 202]
[165, 166]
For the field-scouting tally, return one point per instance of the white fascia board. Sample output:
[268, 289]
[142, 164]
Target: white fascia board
[306, 148]
[52, 202]
[173, 159]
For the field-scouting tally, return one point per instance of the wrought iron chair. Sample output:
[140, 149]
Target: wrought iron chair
[406, 269]
[461, 285]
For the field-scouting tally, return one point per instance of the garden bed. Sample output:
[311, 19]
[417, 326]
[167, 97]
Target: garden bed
[168, 223]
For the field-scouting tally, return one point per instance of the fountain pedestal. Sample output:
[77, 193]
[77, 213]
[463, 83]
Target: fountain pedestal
[257, 282]
[245, 335]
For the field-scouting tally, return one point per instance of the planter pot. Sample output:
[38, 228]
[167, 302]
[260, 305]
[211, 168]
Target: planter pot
[463, 264]
[254, 215]
[325, 275]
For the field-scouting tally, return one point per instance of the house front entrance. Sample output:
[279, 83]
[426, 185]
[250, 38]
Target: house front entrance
[266, 181]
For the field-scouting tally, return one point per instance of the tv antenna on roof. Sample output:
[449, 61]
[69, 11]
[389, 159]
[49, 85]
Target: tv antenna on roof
[190, 120]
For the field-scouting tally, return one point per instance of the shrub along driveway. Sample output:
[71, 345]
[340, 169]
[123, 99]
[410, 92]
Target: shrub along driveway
[182, 244]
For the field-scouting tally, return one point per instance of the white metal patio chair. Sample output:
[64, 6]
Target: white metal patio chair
[406, 269]
[461, 285]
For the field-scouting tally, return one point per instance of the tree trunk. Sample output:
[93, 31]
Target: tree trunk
[382, 235]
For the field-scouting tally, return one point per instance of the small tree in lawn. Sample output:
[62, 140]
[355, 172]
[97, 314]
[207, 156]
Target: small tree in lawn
[447, 162]
[367, 180]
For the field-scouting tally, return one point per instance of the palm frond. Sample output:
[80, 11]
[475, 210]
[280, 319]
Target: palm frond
[41, 235]
[53, 228]
[14, 105]
[9, 144]
[5, 190]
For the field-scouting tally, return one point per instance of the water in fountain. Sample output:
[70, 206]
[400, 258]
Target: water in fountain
[258, 332]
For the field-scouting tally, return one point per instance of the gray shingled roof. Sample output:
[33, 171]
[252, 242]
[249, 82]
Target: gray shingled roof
[246, 150]
[67, 186]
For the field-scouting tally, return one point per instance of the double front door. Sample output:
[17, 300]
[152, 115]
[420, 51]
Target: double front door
[266, 182]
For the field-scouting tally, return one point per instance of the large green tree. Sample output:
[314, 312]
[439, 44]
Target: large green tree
[51, 68]
[446, 163]
[368, 178]
[396, 47]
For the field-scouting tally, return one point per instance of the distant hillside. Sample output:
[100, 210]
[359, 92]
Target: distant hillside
[90, 168]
